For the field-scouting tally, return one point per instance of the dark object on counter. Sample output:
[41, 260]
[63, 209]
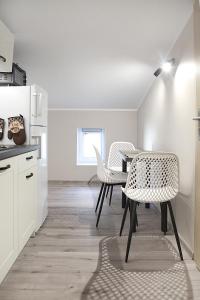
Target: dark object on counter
[1, 128]
[17, 77]
[16, 130]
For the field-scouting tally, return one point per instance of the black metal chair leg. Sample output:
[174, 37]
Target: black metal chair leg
[101, 205]
[163, 207]
[175, 229]
[161, 210]
[111, 191]
[135, 223]
[124, 216]
[107, 191]
[132, 224]
[99, 198]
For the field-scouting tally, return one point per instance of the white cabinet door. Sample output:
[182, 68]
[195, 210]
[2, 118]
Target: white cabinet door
[27, 198]
[6, 49]
[8, 244]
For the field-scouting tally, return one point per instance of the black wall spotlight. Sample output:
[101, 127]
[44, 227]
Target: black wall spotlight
[166, 67]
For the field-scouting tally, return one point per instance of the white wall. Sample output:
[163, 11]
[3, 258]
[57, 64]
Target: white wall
[63, 124]
[165, 123]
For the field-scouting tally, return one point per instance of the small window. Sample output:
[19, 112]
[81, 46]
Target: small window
[86, 139]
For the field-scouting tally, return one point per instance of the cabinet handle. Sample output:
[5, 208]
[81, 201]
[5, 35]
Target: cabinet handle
[29, 176]
[29, 157]
[5, 168]
[2, 58]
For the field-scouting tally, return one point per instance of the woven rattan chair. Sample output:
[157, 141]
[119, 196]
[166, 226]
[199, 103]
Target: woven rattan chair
[115, 159]
[107, 178]
[153, 177]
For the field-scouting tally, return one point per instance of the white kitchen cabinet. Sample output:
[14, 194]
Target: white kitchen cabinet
[6, 48]
[18, 206]
[8, 216]
[27, 187]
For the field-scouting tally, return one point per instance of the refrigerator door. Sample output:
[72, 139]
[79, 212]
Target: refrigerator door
[13, 102]
[39, 136]
[39, 98]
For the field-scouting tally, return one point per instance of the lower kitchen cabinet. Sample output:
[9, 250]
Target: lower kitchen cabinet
[8, 216]
[18, 206]
[27, 187]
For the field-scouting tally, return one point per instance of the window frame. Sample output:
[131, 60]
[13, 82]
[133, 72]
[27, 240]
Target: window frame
[80, 159]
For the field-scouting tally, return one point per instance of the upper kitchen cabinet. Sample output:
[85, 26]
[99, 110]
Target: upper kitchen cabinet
[6, 48]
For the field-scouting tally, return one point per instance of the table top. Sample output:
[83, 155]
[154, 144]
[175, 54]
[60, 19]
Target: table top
[129, 155]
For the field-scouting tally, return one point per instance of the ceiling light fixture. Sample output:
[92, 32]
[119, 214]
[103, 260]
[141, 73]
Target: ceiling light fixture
[166, 67]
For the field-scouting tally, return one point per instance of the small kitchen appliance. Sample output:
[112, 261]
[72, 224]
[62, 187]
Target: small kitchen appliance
[15, 78]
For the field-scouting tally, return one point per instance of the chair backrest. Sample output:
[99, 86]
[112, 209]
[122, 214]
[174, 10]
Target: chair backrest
[114, 157]
[156, 174]
[101, 171]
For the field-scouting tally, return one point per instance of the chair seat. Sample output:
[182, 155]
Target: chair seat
[150, 195]
[113, 177]
[119, 169]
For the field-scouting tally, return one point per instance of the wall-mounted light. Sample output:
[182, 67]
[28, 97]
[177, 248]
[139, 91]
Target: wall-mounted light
[166, 67]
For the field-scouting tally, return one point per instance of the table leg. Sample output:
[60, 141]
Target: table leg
[124, 169]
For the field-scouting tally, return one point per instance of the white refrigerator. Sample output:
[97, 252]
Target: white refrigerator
[32, 103]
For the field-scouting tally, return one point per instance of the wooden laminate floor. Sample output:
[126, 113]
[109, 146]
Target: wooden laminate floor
[58, 263]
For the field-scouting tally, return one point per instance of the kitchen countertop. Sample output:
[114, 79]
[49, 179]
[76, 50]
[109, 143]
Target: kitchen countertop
[14, 150]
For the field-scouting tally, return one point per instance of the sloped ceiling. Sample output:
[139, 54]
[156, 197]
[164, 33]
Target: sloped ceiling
[94, 53]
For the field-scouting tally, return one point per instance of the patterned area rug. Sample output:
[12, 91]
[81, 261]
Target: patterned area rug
[154, 271]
